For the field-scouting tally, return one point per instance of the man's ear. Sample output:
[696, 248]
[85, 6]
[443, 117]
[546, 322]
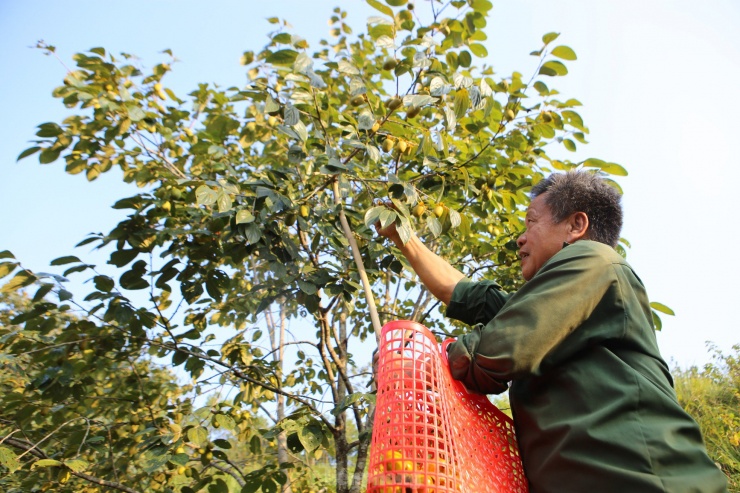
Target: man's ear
[578, 227]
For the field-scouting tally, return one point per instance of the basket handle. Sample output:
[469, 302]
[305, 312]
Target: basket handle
[443, 349]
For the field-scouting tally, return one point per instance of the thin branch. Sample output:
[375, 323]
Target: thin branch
[225, 470]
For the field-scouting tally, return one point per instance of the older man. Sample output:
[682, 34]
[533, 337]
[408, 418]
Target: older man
[592, 399]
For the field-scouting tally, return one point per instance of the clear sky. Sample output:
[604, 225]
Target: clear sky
[658, 80]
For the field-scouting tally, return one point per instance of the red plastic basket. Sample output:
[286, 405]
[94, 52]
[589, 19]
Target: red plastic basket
[430, 434]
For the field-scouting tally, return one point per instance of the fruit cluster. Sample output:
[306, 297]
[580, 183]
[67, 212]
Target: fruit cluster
[400, 473]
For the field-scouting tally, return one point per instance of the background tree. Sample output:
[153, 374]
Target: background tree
[712, 396]
[236, 229]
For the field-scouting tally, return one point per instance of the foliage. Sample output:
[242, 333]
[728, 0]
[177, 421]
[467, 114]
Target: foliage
[234, 231]
[711, 395]
[83, 409]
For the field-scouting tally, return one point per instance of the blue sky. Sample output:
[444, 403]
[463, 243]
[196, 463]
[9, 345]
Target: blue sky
[658, 81]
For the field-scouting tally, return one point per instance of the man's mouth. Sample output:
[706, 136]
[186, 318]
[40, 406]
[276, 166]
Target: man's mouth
[523, 255]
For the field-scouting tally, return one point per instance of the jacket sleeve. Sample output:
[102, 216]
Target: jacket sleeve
[542, 324]
[476, 302]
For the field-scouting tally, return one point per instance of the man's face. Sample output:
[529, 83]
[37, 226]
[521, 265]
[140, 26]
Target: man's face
[542, 238]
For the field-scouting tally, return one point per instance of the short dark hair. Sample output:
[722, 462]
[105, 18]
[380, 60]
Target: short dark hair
[583, 191]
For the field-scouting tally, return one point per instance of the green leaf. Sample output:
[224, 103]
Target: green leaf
[103, 283]
[49, 130]
[45, 463]
[224, 444]
[656, 321]
[282, 57]
[307, 287]
[21, 279]
[65, 260]
[574, 120]
[205, 195]
[550, 37]
[454, 218]
[224, 202]
[271, 106]
[6, 254]
[291, 115]
[661, 308]
[479, 50]
[9, 460]
[464, 58]
[269, 486]
[461, 103]
[253, 233]
[119, 258]
[404, 231]
[76, 465]
[380, 7]
[311, 436]
[553, 68]
[611, 168]
[41, 292]
[396, 3]
[569, 144]
[6, 268]
[49, 155]
[136, 114]
[244, 216]
[372, 215]
[28, 152]
[541, 88]
[387, 217]
[614, 169]
[225, 421]
[198, 435]
[133, 279]
[180, 459]
[64, 295]
[564, 52]
[155, 459]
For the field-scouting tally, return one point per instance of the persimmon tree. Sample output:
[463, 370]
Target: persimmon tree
[250, 202]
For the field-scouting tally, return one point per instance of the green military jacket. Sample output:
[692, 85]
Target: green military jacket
[592, 399]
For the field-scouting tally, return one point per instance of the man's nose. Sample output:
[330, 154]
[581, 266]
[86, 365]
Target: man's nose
[521, 240]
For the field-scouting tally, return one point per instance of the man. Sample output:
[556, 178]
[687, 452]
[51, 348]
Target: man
[592, 399]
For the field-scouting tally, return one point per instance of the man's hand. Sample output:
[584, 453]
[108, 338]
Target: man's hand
[435, 273]
[389, 232]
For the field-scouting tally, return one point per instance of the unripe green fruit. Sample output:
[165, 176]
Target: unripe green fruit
[357, 101]
[412, 112]
[390, 64]
[439, 210]
[303, 211]
[394, 103]
[387, 145]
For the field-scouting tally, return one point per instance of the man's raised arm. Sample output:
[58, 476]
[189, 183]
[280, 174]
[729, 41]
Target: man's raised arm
[439, 277]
